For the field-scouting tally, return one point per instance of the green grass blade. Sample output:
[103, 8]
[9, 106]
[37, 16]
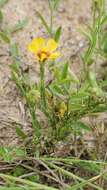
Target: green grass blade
[67, 173]
[44, 22]
[20, 25]
[27, 182]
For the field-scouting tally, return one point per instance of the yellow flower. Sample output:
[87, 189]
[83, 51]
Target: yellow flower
[63, 109]
[44, 49]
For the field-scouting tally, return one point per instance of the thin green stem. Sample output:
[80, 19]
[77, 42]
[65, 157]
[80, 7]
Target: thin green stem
[35, 123]
[43, 93]
[37, 128]
[51, 18]
[44, 23]
[73, 160]
[84, 182]
[27, 182]
[95, 32]
[42, 86]
[51, 21]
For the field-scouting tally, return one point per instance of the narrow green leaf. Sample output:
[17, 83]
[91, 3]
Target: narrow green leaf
[44, 22]
[1, 17]
[80, 185]
[65, 71]
[56, 3]
[86, 34]
[5, 37]
[56, 89]
[28, 183]
[12, 188]
[20, 133]
[14, 49]
[104, 43]
[81, 125]
[104, 20]
[58, 33]
[5, 154]
[92, 79]
[95, 87]
[20, 25]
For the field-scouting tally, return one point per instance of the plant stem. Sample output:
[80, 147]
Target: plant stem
[42, 86]
[51, 21]
[27, 182]
[73, 160]
[44, 107]
[35, 122]
[84, 182]
[51, 18]
[36, 126]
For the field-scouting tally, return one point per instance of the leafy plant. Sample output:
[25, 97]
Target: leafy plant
[63, 102]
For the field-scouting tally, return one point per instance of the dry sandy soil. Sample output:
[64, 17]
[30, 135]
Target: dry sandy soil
[71, 15]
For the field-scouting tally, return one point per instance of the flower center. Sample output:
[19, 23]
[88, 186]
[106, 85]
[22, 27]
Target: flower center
[41, 53]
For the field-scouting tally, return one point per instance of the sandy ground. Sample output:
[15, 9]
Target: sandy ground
[71, 15]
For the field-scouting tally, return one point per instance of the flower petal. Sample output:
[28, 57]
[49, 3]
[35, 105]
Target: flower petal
[54, 55]
[36, 45]
[52, 45]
